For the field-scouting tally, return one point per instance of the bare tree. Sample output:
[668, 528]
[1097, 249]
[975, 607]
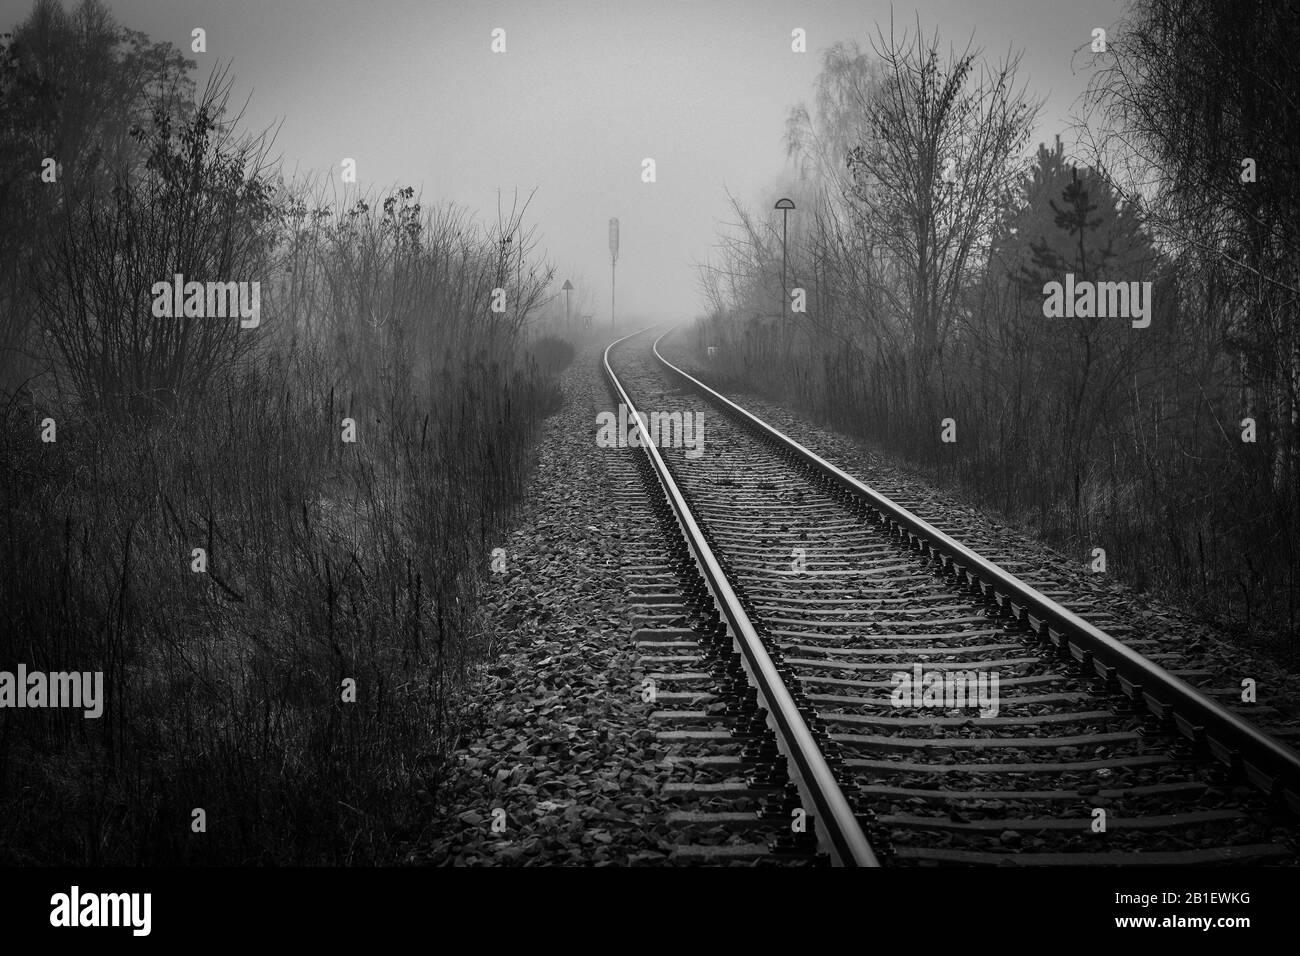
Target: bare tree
[940, 157]
[73, 86]
[202, 207]
[1194, 112]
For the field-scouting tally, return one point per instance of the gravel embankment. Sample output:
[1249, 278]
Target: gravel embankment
[559, 738]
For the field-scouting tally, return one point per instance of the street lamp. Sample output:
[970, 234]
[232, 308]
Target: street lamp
[785, 205]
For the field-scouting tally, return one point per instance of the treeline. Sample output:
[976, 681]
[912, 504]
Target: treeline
[268, 538]
[924, 240]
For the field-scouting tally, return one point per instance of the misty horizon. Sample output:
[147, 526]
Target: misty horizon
[583, 93]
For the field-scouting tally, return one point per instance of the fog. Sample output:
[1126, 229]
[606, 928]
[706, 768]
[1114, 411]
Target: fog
[584, 92]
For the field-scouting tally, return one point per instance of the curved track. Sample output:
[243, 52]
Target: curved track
[821, 657]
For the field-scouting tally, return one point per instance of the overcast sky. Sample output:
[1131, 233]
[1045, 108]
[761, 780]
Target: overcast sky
[585, 91]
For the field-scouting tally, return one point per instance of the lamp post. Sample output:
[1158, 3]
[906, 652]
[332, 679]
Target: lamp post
[785, 205]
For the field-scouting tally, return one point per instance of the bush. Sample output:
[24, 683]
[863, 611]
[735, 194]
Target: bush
[326, 561]
[552, 354]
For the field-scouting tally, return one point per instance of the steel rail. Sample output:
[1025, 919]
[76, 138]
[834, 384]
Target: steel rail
[836, 825]
[1272, 765]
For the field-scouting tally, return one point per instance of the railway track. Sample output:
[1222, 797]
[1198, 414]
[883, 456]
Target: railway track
[836, 679]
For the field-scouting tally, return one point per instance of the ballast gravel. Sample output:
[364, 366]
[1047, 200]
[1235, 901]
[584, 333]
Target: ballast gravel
[558, 762]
